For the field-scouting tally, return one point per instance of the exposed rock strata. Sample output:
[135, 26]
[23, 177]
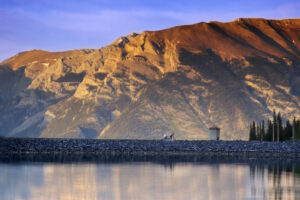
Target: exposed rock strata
[182, 80]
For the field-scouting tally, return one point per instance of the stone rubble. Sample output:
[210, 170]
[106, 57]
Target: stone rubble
[149, 147]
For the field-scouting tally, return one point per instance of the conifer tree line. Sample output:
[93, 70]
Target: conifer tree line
[275, 129]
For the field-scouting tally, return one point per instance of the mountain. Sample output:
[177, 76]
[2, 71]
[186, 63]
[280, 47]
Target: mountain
[183, 80]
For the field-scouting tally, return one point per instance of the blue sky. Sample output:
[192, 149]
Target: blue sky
[57, 25]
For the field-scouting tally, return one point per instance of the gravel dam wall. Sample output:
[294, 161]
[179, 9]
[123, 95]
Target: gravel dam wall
[256, 149]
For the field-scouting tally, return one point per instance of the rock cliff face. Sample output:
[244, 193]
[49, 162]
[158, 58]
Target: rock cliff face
[182, 80]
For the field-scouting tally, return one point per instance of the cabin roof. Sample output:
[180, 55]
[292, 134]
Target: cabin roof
[214, 128]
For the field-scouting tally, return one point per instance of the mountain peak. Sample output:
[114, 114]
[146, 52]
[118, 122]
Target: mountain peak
[183, 79]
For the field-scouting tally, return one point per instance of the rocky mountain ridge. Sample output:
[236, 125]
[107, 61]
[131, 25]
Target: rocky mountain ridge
[182, 79]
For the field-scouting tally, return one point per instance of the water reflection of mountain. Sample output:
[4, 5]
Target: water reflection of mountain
[18, 180]
[148, 180]
[129, 181]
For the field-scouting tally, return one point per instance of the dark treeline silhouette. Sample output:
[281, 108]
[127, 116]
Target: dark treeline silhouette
[275, 130]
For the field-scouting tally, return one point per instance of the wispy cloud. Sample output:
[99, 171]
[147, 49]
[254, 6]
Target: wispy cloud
[58, 28]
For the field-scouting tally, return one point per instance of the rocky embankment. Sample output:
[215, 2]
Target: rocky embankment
[12, 146]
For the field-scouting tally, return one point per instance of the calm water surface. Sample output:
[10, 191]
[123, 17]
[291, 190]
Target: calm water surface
[148, 180]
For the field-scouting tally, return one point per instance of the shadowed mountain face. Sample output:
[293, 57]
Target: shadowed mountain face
[182, 80]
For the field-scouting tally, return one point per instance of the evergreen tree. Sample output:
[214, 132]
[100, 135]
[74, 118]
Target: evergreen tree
[252, 134]
[268, 136]
[274, 129]
[279, 121]
[294, 129]
[297, 129]
[263, 132]
[257, 131]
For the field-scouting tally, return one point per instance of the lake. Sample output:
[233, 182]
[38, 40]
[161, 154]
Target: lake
[149, 178]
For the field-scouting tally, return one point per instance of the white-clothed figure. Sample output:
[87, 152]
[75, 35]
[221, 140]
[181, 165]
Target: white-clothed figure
[165, 136]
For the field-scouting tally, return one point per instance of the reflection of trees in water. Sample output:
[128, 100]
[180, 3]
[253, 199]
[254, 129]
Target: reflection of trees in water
[277, 181]
[296, 171]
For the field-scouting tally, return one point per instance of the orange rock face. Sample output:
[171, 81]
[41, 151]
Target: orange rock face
[182, 80]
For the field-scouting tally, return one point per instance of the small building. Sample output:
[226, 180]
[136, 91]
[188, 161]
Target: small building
[214, 133]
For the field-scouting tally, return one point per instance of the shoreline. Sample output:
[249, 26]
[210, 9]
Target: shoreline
[12, 147]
